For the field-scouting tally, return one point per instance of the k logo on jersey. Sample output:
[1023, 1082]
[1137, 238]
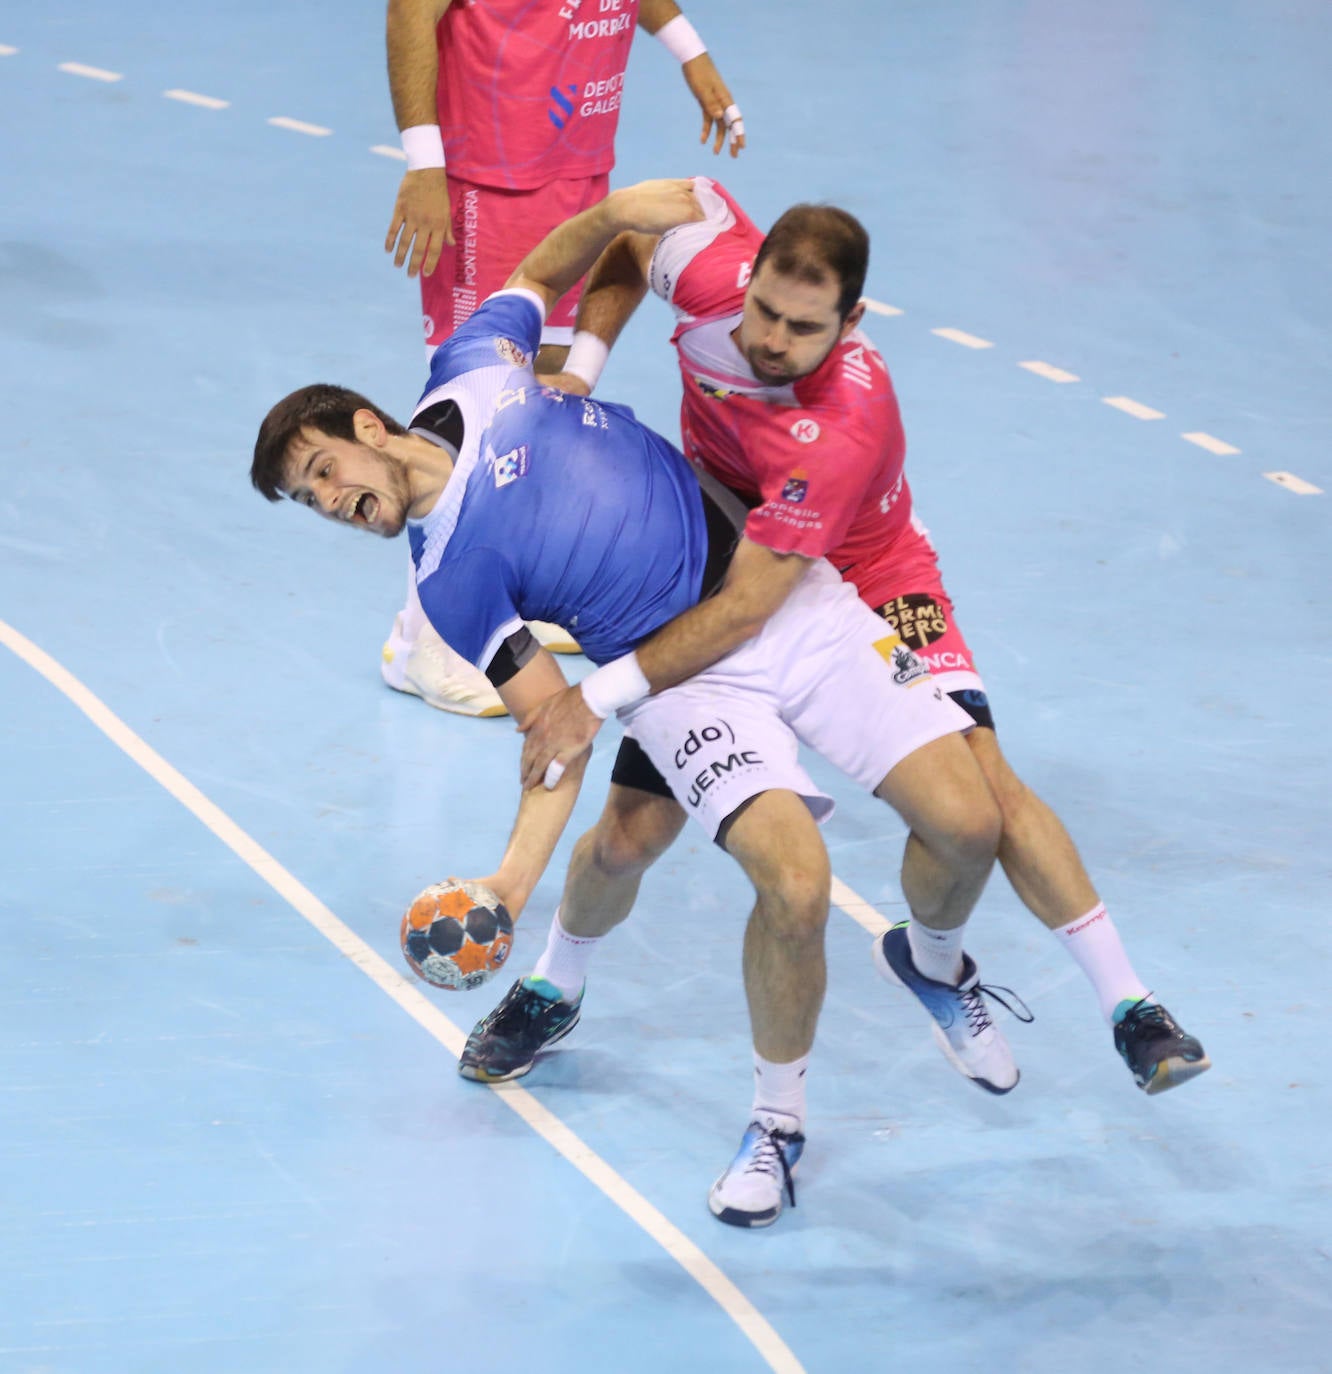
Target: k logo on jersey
[805, 431]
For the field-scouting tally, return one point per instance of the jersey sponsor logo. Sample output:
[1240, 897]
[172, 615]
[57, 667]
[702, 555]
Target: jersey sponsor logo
[805, 431]
[712, 390]
[907, 668]
[947, 661]
[564, 107]
[856, 368]
[602, 97]
[511, 353]
[890, 497]
[509, 467]
[593, 415]
[917, 617]
[796, 487]
[601, 28]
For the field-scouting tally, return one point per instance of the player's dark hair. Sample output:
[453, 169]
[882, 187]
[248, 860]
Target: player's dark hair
[329, 409]
[814, 242]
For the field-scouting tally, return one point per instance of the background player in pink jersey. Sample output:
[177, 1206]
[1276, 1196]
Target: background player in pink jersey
[789, 405]
[508, 111]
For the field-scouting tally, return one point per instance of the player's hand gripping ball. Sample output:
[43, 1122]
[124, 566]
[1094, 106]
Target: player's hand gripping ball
[457, 934]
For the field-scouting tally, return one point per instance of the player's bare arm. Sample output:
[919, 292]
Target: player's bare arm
[758, 582]
[721, 115]
[422, 224]
[567, 252]
[613, 289]
[542, 814]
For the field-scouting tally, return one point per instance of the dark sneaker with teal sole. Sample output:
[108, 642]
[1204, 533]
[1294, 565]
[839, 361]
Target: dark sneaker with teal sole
[532, 1015]
[1160, 1053]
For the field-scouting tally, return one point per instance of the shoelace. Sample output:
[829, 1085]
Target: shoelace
[768, 1158]
[517, 1013]
[978, 1014]
[1152, 1016]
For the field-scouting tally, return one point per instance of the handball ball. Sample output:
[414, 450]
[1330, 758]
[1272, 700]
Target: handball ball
[456, 934]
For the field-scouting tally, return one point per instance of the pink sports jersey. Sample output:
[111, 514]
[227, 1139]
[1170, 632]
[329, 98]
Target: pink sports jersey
[820, 459]
[529, 90]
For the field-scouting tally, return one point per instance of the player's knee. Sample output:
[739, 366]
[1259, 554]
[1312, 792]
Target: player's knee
[794, 899]
[625, 844]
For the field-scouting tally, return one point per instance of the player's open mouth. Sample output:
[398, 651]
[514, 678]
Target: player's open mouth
[365, 509]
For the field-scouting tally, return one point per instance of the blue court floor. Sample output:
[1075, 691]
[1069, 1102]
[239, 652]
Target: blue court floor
[232, 1137]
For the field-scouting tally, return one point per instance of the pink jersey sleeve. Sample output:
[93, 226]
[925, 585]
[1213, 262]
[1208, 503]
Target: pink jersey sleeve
[702, 268]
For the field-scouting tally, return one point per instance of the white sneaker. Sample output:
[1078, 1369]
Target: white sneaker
[552, 637]
[963, 1027]
[429, 669]
[750, 1192]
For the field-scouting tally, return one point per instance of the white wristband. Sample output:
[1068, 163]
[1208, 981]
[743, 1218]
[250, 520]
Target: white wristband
[681, 39]
[424, 146]
[614, 685]
[587, 356]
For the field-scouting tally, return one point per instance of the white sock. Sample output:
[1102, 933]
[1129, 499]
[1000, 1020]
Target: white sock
[565, 959]
[1094, 942]
[936, 953]
[780, 1088]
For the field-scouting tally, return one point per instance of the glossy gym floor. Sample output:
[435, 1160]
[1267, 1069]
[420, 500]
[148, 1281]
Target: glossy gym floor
[232, 1135]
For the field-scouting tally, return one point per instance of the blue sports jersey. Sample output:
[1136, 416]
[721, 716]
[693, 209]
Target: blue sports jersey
[560, 508]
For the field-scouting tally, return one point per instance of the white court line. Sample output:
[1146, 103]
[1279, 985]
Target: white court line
[686, 1254]
[299, 126]
[1210, 442]
[1134, 408]
[960, 336]
[388, 150]
[207, 102]
[93, 73]
[863, 913]
[879, 308]
[1050, 372]
[1293, 483]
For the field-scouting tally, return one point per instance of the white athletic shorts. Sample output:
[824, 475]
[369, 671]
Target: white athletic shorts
[824, 671]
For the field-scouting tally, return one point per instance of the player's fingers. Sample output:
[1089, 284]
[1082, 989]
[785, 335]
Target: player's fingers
[735, 127]
[419, 247]
[394, 230]
[433, 249]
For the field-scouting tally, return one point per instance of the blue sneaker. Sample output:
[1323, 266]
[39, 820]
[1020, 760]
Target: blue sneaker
[969, 1039]
[532, 1015]
[1158, 1050]
[750, 1192]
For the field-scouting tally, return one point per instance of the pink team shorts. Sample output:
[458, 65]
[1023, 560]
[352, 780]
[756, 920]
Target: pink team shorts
[493, 231]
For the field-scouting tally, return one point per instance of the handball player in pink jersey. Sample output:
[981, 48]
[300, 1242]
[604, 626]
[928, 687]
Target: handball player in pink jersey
[790, 405]
[508, 111]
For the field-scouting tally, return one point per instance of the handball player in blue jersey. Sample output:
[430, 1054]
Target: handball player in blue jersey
[523, 502]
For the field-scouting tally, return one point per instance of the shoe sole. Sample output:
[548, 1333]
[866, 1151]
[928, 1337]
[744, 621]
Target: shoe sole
[477, 1074]
[1171, 1073]
[886, 971]
[746, 1220]
[456, 708]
